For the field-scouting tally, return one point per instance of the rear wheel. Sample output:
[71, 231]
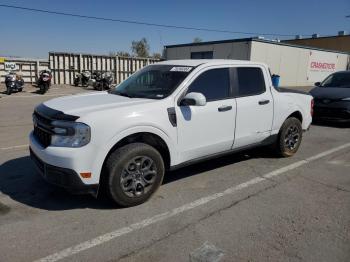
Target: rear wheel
[134, 172]
[76, 82]
[289, 137]
[99, 87]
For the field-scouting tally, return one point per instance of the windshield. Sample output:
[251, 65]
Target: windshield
[337, 80]
[154, 81]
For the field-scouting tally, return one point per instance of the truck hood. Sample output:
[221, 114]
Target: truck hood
[80, 105]
[330, 92]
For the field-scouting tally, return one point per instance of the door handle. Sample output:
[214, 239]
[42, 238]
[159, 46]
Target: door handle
[224, 108]
[264, 102]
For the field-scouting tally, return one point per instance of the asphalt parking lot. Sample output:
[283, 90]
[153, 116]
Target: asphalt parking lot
[249, 206]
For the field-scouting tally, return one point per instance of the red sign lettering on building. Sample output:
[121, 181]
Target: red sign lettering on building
[322, 66]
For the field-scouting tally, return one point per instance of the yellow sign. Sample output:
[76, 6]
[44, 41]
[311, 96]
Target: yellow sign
[2, 60]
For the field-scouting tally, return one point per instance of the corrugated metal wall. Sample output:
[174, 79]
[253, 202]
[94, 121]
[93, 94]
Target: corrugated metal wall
[29, 68]
[65, 66]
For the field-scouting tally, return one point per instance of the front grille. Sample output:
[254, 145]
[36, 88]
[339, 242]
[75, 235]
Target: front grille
[42, 129]
[43, 117]
[42, 136]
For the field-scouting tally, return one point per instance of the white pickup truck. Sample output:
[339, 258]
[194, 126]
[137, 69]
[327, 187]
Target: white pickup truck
[164, 116]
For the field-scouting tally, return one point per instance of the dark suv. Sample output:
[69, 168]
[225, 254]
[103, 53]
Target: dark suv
[332, 98]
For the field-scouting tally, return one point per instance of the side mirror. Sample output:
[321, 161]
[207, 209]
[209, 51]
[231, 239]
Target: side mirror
[193, 99]
[318, 84]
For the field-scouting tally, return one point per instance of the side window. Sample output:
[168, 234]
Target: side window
[214, 84]
[250, 81]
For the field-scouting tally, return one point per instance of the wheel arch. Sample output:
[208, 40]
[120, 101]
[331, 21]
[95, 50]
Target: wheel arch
[297, 114]
[148, 138]
[151, 136]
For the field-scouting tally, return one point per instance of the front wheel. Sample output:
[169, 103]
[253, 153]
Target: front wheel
[8, 90]
[289, 137]
[43, 88]
[134, 172]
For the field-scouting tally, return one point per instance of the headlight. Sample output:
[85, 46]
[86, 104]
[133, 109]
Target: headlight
[70, 134]
[346, 99]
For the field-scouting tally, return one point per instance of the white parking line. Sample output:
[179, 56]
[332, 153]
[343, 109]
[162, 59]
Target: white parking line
[176, 211]
[13, 147]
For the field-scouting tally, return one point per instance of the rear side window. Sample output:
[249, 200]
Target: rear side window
[250, 81]
[214, 84]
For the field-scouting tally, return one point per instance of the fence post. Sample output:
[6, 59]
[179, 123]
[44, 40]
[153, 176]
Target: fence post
[80, 63]
[37, 63]
[116, 69]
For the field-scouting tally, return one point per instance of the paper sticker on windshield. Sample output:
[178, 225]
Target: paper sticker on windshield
[181, 69]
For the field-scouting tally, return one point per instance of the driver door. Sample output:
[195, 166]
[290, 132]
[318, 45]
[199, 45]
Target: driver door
[210, 129]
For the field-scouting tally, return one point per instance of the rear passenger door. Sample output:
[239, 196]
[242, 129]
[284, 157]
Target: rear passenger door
[254, 106]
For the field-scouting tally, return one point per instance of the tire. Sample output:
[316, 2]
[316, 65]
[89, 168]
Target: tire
[42, 89]
[131, 192]
[20, 89]
[8, 91]
[99, 87]
[289, 137]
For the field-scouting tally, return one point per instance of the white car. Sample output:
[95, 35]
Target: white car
[164, 116]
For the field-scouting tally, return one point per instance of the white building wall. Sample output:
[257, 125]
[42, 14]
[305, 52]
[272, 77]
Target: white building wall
[290, 62]
[293, 63]
[234, 50]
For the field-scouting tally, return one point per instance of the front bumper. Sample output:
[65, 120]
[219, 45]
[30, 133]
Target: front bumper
[62, 177]
[331, 114]
[61, 167]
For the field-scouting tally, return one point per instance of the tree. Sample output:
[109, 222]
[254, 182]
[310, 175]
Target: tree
[157, 56]
[119, 53]
[197, 40]
[140, 48]
[123, 53]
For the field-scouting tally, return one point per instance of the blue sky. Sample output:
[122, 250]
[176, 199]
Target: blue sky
[31, 34]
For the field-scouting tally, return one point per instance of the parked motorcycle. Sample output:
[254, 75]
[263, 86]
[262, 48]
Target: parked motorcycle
[14, 83]
[83, 78]
[44, 81]
[101, 81]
